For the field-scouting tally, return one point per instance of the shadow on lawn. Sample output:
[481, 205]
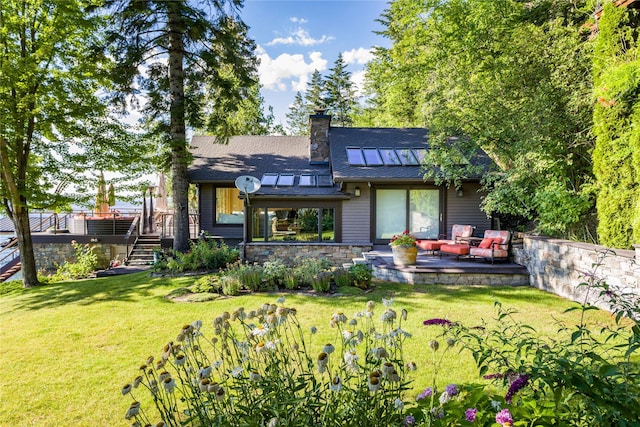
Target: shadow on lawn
[128, 287]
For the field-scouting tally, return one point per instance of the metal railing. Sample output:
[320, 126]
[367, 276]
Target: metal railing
[134, 230]
[166, 225]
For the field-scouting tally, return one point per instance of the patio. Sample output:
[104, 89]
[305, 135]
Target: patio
[446, 270]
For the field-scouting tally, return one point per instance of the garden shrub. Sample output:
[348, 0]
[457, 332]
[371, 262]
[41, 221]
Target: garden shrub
[205, 254]
[306, 269]
[259, 368]
[85, 263]
[208, 283]
[342, 277]
[230, 285]
[584, 376]
[321, 282]
[361, 275]
[249, 275]
[273, 272]
[271, 373]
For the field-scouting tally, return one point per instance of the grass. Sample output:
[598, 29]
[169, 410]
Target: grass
[68, 348]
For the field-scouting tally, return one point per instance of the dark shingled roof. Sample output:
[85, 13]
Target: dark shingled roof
[397, 138]
[257, 155]
[341, 138]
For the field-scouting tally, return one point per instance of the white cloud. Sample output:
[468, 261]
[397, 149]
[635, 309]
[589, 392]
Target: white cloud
[288, 70]
[358, 56]
[297, 20]
[300, 37]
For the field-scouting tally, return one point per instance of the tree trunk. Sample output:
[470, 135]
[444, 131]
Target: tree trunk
[20, 218]
[179, 154]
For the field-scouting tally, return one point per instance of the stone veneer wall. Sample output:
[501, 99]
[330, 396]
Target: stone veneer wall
[336, 253]
[50, 255]
[559, 266]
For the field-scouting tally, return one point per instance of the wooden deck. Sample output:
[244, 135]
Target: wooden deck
[446, 270]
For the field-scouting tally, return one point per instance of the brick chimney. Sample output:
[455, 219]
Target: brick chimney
[319, 124]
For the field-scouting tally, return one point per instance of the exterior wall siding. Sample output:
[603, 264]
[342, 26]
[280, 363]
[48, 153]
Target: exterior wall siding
[356, 215]
[207, 196]
[465, 209]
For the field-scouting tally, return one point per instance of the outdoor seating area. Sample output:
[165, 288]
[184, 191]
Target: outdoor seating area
[494, 245]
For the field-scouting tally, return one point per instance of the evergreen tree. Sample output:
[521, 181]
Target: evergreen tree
[298, 116]
[339, 93]
[315, 96]
[616, 119]
[177, 52]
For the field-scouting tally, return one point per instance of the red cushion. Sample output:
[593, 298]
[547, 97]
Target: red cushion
[486, 243]
[456, 249]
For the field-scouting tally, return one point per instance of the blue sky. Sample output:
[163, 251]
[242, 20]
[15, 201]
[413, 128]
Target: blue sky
[296, 37]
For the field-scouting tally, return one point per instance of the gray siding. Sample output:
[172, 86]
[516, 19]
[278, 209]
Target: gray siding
[466, 210]
[207, 195]
[207, 198]
[356, 215]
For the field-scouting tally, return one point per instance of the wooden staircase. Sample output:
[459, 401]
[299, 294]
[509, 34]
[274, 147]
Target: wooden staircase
[143, 249]
[10, 271]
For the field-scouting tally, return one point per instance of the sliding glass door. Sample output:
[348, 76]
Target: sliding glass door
[416, 210]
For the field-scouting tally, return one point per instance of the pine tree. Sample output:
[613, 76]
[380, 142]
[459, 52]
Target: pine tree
[340, 96]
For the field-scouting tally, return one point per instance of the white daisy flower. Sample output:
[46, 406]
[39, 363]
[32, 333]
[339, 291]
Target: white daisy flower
[336, 384]
[398, 404]
[328, 348]
[235, 372]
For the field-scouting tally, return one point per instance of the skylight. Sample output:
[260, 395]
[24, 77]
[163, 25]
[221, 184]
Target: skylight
[269, 179]
[285, 180]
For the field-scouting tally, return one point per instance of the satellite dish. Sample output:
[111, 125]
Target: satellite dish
[247, 184]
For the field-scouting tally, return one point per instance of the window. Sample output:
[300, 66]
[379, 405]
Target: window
[406, 157]
[355, 156]
[372, 156]
[293, 224]
[307, 180]
[389, 157]
[229, 206]
[285, 180]
[269, 179]
[324, 181]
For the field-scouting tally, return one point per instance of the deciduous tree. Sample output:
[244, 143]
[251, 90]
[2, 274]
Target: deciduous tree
[49, 78]
[510, 77]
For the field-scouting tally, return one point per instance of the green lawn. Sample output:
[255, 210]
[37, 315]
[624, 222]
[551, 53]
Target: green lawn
[68, 348]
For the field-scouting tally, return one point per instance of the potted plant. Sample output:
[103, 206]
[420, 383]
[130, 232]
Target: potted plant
[404, 248]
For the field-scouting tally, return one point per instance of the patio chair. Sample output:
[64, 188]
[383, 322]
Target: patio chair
[458, 233]
[494, 245]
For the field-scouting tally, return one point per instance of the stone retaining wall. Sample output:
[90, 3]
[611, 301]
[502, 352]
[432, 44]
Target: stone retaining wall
[462, 279]
[49, 255]
[559, 266]
[336, 253]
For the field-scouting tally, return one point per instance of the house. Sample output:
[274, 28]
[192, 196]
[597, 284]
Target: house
[335, 194]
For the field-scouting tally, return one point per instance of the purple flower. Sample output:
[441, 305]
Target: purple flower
[409, 421]
[504, 418]
[516, 386]
[451, 389]
[427, 392]
[443, 322]
[470, 414]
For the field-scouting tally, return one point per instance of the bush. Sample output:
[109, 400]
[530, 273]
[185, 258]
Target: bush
[361, 275]
[205, 254]
[249, 275]
[273, 272]
[342, 277]
[322, 281]
[307, 269]
[257, 368]
[581, 377]
[86, 261]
